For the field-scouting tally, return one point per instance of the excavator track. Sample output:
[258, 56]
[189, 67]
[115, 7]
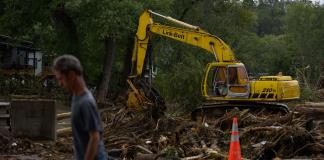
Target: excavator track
[219, 109]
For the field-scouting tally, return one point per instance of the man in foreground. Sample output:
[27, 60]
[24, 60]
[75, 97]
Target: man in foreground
[85, 119]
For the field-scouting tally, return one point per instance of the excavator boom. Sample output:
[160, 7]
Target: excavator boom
[191, 35]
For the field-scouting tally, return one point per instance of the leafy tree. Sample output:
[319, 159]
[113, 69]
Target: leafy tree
[268, 36]
[113, 20]
[270, 17]
[267, 54]
[305, 34]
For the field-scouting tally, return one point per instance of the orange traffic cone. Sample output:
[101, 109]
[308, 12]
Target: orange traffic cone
[235, 149]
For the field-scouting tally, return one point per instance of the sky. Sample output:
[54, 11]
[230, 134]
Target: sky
[321, 1]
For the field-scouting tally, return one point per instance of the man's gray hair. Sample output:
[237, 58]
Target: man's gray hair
[67, 63]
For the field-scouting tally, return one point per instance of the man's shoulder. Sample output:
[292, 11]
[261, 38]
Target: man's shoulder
[85, 100]
[89, 98]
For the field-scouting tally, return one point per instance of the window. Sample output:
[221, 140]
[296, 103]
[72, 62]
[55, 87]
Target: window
[216, 81]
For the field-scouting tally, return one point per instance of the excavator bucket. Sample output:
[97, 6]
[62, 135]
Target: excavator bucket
[142, 96]
[136, 99]
[133, 101]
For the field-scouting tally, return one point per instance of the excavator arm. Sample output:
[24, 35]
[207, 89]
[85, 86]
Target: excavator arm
[188, 34]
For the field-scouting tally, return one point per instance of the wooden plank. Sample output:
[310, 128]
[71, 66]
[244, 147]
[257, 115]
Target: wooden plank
[63, 115]
[64, 131]
[4, 115]
[4, 103]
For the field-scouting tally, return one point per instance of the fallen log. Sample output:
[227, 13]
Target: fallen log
[193, 157]
[63, 116]
[144, 149]
[63, 131]
[312, 104]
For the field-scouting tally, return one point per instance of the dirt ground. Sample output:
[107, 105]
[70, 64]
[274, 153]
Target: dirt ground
[133, 135]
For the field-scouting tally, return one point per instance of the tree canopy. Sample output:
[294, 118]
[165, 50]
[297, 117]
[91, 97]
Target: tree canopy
[269, 36]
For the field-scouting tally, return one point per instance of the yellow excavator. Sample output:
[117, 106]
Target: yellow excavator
[225, 84]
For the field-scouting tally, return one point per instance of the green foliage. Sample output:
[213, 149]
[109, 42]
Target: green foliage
[307, 94]
[250, 4]
[270, 17]
[225, 20]
[180, 81]
[94, 20]
[305, 34]
[270, 53]
[170, 153]
[269, 36]
[110, 18]
[305, 30]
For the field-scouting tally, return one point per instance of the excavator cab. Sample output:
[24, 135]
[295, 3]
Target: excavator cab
[225, 81]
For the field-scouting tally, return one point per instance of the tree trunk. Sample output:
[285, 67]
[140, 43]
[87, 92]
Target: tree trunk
[63, 21]
[110, 52]
[127, 64]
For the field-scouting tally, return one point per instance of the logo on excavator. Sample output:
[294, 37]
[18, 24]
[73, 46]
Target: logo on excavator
[268, 90]
[173, 34]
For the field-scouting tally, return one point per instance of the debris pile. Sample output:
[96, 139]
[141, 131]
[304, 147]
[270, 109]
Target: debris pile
[136, 135]
[262, 136]
[24, 148]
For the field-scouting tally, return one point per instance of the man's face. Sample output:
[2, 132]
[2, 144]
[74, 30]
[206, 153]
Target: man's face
[63, 80]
